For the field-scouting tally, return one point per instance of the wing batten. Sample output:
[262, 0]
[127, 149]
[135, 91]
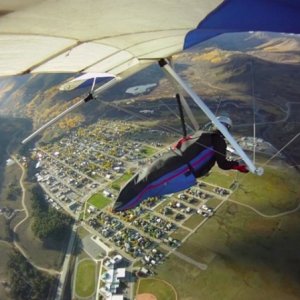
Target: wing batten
[16, 52]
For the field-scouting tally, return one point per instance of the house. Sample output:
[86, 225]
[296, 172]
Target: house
[107, 193]
[91, 209]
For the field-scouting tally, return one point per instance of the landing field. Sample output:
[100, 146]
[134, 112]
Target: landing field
[85, 278]
[248, 255]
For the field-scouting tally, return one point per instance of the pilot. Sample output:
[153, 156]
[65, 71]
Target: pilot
[190, 158]
[213, 140]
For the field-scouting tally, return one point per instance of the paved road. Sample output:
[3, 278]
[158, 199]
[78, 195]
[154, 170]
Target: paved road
[66, 264]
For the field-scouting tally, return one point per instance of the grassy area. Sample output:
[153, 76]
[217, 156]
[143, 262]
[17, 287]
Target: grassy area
[161, 289]
[276, 191]
[48, 253]
[99, 201]
[165, 202]
[82, 232]
[148, 151]
[213, 202]
[179, 234]
[248, 256]
[85, 282]
[5, 251]
[220, 177]
[9, 198]
[118, 183]
[4, 228]
[193, 221]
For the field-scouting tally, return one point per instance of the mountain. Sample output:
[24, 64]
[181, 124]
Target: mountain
[235, 67]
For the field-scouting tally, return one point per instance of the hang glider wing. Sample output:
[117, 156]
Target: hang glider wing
[48, 36]
[174, 171]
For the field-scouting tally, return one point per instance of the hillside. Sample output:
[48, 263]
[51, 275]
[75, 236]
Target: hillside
[232, 67]
[12, 131]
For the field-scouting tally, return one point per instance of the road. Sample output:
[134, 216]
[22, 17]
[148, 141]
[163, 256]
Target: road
[66, 264]
[264, 215]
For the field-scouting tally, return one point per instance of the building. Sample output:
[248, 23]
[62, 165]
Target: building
[141, 89]
[111, 279]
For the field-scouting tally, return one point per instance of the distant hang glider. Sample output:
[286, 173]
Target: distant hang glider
[87, 80]
[122, 36]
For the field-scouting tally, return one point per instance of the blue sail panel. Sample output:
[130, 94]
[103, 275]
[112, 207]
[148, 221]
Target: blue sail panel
[247, 15]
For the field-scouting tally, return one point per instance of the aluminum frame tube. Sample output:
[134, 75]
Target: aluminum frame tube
[252, 168]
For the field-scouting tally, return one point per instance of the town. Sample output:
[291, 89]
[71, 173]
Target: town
[82, 174]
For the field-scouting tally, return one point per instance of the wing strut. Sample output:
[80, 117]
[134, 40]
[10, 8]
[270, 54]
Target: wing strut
[166, 66]
[92, 95]
[181, 115]
[184, 103]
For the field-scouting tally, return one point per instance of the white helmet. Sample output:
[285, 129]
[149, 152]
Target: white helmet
[226, 121]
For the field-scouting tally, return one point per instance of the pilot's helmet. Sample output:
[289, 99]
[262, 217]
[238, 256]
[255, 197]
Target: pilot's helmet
[226, 121]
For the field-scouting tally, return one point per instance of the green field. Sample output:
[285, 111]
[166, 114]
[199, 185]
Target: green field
[85, 282]
[221, 178]
[118, 183]
[248, 256]
[159, 288]
[99, 201]
[148, 151]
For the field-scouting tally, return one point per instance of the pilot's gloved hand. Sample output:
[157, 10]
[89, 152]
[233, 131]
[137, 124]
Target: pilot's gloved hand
[241, 168]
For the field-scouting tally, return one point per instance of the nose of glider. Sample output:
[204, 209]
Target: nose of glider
[117, 207]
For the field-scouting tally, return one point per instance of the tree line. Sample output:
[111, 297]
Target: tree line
[26, 282]
[47, 221]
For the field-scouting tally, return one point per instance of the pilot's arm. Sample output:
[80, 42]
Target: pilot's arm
[219, 145]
